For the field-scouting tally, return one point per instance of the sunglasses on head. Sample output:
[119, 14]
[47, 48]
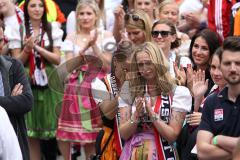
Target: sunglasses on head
[133, 16]
[163, 34]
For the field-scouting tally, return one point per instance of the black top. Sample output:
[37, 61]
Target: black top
[220, 115]
[13, 73]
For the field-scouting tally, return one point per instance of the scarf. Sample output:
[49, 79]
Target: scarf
[37, 71]
[162, 108]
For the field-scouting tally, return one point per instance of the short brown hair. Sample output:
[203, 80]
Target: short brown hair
[232, 44]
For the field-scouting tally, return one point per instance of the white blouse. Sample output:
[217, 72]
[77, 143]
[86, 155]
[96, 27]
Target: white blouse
[12, 28]
[71, 46]
[15, 39]
[181, 100]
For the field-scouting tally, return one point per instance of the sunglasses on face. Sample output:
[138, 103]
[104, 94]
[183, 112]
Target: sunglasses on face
[163, 34]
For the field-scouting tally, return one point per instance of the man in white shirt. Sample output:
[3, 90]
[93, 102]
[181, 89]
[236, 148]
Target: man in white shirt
[9, 146]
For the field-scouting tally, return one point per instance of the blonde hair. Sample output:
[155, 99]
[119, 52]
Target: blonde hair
[154, 10]
[164, 80]
[90, 3]
[164, 3]
[144, 23]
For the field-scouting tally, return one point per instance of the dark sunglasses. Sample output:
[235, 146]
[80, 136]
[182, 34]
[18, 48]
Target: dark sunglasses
[133, 16]
[163, 34]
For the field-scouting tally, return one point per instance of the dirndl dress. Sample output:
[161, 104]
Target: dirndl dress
[80, 119]
[41, 121]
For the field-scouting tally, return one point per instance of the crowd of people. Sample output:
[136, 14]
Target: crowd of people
[128, 80]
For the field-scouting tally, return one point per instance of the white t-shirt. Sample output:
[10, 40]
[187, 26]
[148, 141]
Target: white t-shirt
[9, 146]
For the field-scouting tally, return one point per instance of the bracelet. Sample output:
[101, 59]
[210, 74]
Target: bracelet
[214, 141]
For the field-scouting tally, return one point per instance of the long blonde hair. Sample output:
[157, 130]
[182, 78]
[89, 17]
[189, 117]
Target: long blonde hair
[164, 80]
[90, 3]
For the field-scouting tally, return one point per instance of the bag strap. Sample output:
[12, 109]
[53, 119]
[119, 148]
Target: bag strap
[104, 147]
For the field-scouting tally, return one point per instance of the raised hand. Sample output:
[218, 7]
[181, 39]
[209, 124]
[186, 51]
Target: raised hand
[200, 85]
[119, 14]
[180, 74]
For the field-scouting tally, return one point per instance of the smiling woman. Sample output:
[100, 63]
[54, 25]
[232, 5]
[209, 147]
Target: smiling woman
[202, 47]
[35, 10]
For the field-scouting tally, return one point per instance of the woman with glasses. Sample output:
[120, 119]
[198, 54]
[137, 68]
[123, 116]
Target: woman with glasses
[154, 121]
[169, 9]
[94, 48]
[165, 36]
[134, 26]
